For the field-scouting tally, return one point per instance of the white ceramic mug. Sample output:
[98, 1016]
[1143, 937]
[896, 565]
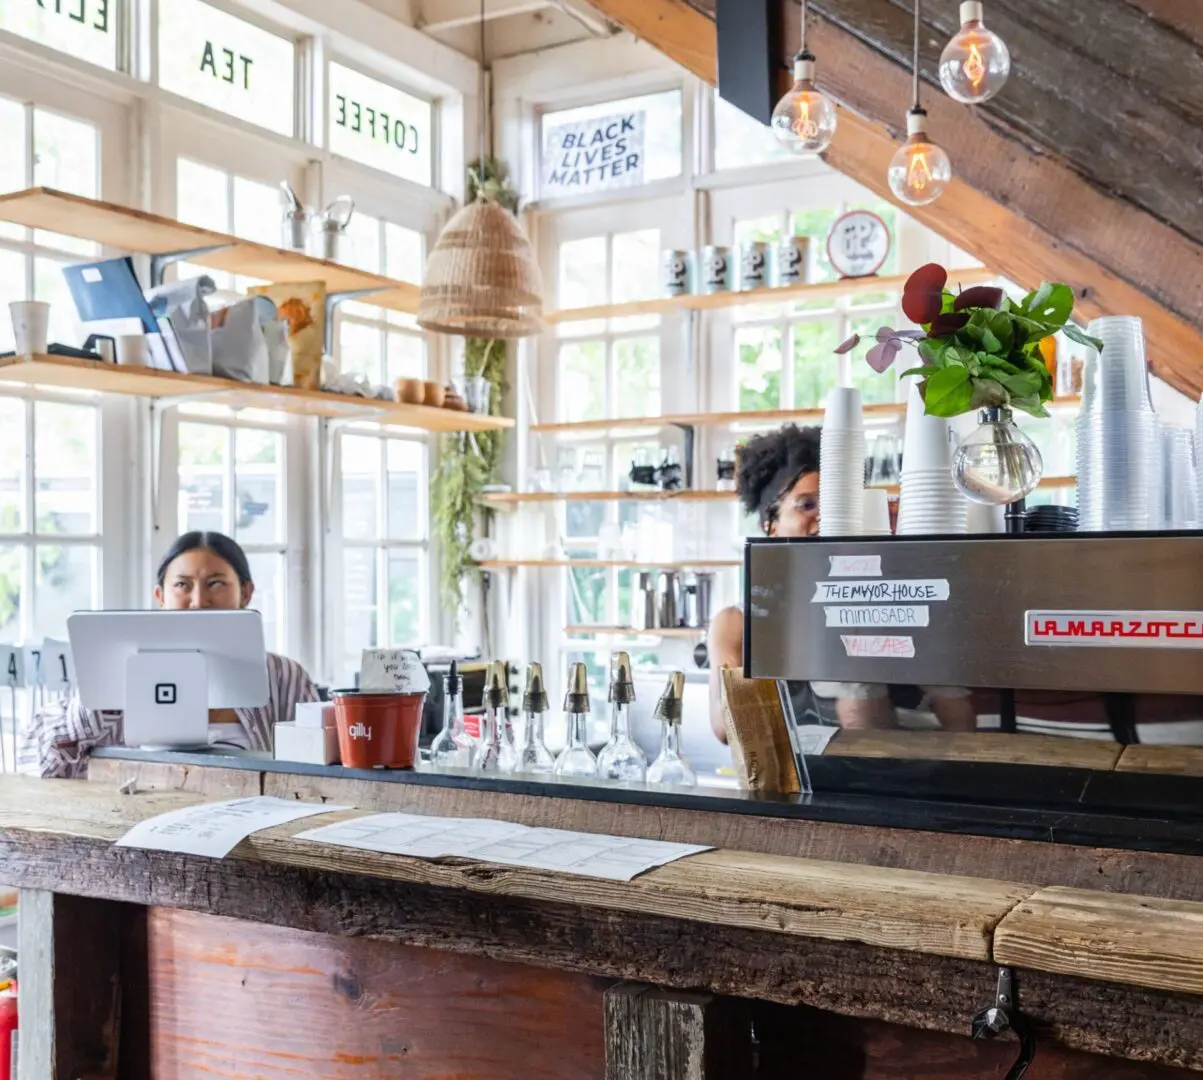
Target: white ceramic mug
[31, 326]
[133, 350]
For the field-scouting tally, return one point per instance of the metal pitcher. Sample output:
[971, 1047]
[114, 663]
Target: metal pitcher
[668, 594]
[329, 227]
[643, 603]
[699, 591]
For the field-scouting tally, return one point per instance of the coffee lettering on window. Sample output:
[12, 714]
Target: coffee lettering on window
[227, 65]
[377, 126]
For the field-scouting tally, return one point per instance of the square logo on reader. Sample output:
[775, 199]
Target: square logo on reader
[165, 693]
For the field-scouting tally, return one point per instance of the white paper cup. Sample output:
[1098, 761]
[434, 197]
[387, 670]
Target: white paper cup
[842, 411]
[133, 350]
[31, 326]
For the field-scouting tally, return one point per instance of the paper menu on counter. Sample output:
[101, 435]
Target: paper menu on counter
[215, 829]
[617, 858]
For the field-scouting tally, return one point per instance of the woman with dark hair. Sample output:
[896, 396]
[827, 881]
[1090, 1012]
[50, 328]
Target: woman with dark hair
[778, 481]
[201, 570]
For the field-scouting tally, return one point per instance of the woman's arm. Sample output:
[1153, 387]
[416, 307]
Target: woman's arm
[726, 649]
[64, 733]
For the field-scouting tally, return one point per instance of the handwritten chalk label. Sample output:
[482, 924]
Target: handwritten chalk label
[880, 592]
[397, 671]
[855, 566]
[889, 616]
[1115, 629]
[879, 647]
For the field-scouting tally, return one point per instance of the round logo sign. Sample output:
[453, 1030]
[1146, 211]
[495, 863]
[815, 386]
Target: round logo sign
[858, 244]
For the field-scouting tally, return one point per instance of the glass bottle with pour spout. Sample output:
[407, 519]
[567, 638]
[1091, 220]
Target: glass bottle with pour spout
[621, 758]
[576, 759]
[509, 746]
[670, 767]
[533, 755]
[496, 700]
[453, 747]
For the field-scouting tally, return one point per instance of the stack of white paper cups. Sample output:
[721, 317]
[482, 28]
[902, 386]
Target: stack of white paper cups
[930, 502]
[842, 461]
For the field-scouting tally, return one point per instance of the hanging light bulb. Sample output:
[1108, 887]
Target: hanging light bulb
[976, 62]
[919, 171]
[805, 119]
[998, 464]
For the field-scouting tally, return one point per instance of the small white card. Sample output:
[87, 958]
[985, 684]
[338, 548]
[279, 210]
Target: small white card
[12, 666]
[215, 829]
[394, 671]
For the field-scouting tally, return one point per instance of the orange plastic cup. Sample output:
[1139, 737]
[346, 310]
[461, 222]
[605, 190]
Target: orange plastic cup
[378, 731]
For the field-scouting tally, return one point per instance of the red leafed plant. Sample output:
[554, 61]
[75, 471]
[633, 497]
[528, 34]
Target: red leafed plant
[977, 346]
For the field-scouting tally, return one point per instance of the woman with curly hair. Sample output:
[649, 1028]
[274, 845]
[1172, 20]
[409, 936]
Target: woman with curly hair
[778, 481]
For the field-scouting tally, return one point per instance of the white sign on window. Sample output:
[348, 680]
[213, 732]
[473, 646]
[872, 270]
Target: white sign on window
[594, 155]
[378, 125]
[83, 28]
[227, 63]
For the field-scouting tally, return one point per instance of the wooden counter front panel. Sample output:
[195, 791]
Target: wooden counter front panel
[236, 999]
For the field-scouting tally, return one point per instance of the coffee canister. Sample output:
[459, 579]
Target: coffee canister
[717, 271]
[754, 265]
[678, 273]
[792, 256]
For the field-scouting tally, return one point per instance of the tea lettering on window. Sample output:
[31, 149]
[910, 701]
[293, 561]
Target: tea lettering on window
[227, 65]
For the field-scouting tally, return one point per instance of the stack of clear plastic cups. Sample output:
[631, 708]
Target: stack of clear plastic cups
[1119, 437]
[1180, 490]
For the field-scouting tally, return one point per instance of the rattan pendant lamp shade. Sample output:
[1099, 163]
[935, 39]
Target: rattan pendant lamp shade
[482, 279]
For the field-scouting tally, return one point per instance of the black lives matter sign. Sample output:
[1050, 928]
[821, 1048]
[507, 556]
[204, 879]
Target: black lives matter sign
[594, 155]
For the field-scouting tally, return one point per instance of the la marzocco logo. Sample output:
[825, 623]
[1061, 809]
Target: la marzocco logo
[360, 731]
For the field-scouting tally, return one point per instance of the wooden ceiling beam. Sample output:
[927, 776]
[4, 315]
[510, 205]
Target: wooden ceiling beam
[1022, 210]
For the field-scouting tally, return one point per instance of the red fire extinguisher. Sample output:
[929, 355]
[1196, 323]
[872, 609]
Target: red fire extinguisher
[8, 1033]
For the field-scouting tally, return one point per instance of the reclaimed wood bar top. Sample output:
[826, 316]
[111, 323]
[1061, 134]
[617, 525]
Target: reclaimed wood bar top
[901, 945]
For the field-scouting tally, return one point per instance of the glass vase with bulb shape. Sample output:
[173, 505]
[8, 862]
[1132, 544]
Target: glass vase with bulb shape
[804, 121]
[621, 758]
[452, 748]
[997, 464]
[496, 701]
[670, 766]
[976, 62]
[533, 755]
[576, 759]
[919, 171]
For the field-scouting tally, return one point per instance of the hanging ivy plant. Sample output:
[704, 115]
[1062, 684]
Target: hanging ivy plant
[468, 463]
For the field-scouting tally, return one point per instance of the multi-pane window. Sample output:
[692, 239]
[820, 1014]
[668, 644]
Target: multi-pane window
[214, 199]
[227, 63]
[83, 28]
[233, 479]
[740, 140]
[385, 560]
[49, 514]
[66, 155]
[785, 353]
[375, 342]
[379, 125]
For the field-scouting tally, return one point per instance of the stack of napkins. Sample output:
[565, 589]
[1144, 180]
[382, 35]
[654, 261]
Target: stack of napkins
[311, 738]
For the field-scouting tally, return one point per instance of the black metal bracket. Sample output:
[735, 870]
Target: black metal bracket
[159, 263]
[690, 433]
[333, 299]
[1004, 1015]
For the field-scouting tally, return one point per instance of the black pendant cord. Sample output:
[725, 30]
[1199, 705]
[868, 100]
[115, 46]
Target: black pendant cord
[915, 61]
[484, 109]
[802, 50]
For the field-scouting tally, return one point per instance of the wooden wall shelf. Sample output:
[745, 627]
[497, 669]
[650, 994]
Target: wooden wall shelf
[783, 294]
[70, 373]
[628, 631]
[123, 228]
[717, 419]
[515, 498]
[694, 564]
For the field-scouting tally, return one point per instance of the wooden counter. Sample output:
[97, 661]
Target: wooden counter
[258, 965]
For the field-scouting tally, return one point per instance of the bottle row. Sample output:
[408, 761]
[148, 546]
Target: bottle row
[621, 759]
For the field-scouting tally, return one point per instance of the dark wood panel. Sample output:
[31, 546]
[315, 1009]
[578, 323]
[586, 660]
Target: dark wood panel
[844, 1048]
[239, 999]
